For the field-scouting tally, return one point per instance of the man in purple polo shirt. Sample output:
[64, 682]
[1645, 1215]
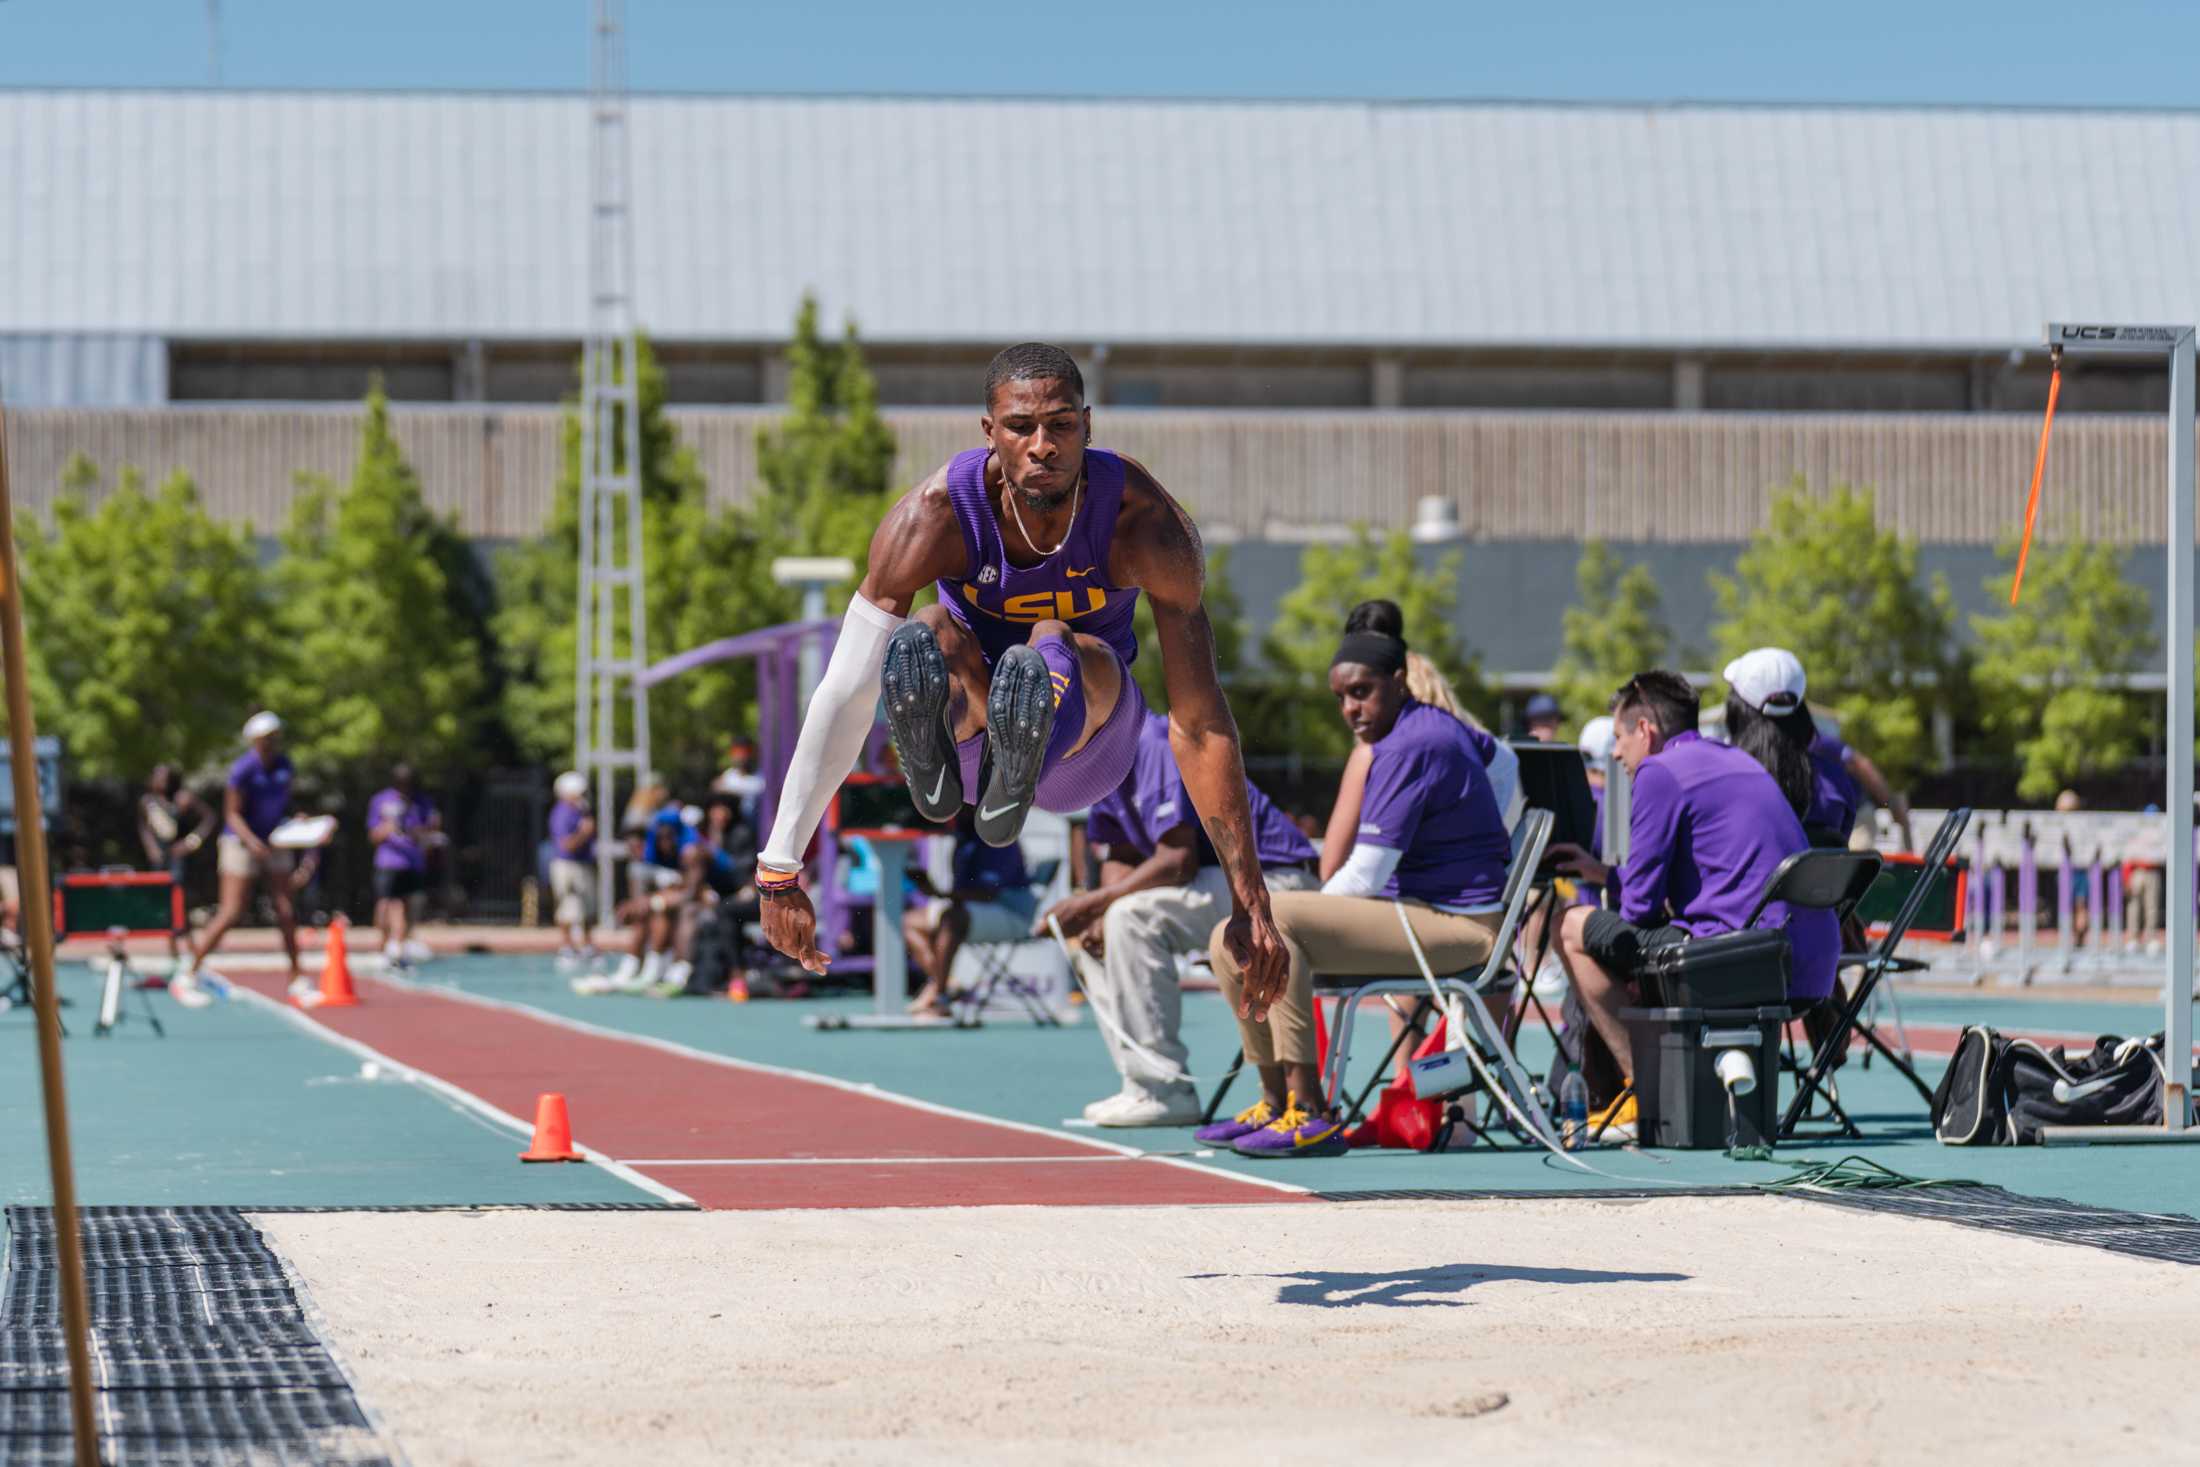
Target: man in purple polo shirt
[256, 801]
[1162, 893]
[1707, 828]
[401, 822]
[1431, 844]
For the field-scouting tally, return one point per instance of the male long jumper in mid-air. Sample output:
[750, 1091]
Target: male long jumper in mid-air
[1015, 687]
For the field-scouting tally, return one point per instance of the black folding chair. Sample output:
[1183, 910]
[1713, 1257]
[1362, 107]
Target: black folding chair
[1872, 967]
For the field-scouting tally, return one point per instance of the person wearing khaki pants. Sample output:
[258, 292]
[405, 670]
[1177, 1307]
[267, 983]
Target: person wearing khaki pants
[1161, 894]
[1431, 840]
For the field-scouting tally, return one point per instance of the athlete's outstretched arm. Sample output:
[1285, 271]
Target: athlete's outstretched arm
[917, 542]
[1161, 550]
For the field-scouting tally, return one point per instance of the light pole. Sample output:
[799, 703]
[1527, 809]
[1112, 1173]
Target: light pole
[813, 573]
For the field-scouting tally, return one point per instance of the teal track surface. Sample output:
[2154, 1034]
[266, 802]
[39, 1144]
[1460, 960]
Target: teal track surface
[241, 1105]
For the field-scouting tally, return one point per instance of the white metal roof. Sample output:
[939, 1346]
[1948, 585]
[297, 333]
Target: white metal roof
[437, 215]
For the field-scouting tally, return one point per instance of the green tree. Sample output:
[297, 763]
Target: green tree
[380, 660]
[1615, 628]
[1224, 613]
[823, 470]
[147, 625]
[1825, 582]
[693, 564]
[2047, 667]
[1295, 712]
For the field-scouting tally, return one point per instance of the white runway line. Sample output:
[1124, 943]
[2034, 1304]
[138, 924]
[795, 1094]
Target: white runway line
[669, 1046]
[463, 1099]
[897, 1161]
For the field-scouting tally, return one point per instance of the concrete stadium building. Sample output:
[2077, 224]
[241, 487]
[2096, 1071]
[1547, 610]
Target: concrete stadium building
[1622, 322]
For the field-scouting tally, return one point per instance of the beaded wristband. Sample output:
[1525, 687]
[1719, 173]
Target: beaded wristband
[770, 880]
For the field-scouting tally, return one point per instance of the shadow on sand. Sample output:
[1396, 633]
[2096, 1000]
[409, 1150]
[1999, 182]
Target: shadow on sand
[1425, 1288]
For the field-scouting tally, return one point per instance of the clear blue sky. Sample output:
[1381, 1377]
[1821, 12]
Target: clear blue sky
[2109, 52]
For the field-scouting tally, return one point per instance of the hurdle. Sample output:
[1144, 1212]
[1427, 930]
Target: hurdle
[2079, 340]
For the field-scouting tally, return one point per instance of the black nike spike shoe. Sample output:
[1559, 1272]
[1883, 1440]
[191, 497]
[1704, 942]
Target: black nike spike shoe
[1019, 719]
[918, 693]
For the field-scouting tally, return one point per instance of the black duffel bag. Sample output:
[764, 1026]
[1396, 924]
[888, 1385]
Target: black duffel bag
[2002, 1092]
[1735, 970]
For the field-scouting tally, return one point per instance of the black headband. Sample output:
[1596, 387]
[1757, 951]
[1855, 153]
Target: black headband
[1379, 650]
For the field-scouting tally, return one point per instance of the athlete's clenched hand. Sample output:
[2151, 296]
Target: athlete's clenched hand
[1257, 948]
[790, 925]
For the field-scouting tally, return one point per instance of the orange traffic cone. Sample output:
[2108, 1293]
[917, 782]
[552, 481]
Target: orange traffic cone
[553, 1133]
[336, 989]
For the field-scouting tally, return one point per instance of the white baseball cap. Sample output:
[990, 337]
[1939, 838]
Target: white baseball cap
[1769, 680]
[691, 814]
[1596, 740]
[260, 725]
[571, 785]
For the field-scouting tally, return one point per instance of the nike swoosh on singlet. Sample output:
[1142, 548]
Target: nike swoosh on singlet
[1080, 574]
[986, 814]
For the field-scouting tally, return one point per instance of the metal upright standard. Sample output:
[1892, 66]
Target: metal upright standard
[2080, 339]
[610, 707]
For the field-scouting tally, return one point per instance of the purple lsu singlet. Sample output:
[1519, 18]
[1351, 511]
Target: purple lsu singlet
[998, 603]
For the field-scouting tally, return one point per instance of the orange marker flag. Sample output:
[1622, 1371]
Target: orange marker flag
[2039, 466]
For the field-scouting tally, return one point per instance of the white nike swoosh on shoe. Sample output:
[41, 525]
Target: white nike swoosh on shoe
[937, 785]
[988, 814]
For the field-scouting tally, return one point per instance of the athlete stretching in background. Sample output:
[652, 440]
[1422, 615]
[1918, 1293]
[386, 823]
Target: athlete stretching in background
[1015, 688]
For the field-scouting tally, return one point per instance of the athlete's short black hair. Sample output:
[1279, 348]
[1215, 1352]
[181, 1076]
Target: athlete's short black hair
[1033, 361]
[1666, 696]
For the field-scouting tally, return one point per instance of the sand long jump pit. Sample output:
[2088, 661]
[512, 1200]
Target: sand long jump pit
[1726, 1329]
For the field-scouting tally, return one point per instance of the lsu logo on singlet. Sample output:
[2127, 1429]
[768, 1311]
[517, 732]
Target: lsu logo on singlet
[1038, 606]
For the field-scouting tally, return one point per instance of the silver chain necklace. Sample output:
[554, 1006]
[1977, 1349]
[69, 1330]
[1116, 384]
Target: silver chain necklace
[1076, 497]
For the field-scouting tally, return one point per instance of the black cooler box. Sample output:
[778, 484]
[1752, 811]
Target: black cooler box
[1680, 1101]
[1734, 970]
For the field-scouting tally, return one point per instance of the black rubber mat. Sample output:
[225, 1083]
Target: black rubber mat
[201, 1348]
[2164, 1236]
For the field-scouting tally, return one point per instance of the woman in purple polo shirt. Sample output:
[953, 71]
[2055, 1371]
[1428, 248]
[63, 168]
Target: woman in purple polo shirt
[1431, 840]
[256, 800]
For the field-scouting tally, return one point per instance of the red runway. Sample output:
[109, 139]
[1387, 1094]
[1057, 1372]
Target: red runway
[748, 1137]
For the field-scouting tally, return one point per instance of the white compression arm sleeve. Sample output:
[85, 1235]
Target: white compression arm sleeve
[833, 731]
[1364, 873]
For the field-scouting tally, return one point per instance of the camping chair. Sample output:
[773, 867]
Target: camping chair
[996, 962]
[1874, 966]
[1528, 840]
[1470, 987]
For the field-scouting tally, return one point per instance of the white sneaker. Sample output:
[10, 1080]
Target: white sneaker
[1177, 1107]
[184, 987]
[416, 951]
[675, 979]
[303, 987]
[568, 959]
[1550, 981]
[592, 985]
[1109, 1102]
[393, 956]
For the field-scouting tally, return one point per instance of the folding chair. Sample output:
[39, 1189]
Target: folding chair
[1470, 987]
[1528, 840]
[1874, 966]
[996, 962]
